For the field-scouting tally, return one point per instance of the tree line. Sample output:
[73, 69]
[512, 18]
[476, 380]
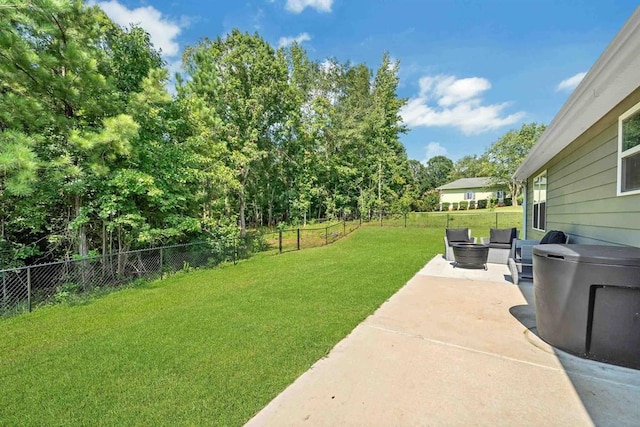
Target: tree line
[96, 156]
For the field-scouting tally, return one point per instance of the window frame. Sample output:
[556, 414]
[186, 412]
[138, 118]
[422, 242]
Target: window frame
[473, 195]
[628, 153]
[535, 213]
[501, 198]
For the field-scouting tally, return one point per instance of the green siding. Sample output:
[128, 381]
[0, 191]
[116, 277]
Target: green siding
[581, 189]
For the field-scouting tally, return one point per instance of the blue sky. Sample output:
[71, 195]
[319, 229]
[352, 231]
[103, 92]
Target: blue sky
[470, 70]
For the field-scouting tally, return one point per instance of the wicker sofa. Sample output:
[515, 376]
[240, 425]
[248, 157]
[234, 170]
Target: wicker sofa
[455, 235]
[500, 242]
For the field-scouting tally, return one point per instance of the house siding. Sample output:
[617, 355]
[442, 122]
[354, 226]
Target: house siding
[582, 186]
[457, 195]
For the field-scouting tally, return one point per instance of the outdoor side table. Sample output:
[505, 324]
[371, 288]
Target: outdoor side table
[587, 300]
[471, 255]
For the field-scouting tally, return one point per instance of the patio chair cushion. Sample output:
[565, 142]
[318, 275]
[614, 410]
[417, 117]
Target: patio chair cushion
[553, 236]
[457, 235]
[502, 236]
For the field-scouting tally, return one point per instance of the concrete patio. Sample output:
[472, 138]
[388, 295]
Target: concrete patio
[455, 347]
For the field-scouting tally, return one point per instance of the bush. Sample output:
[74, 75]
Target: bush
[482, 204]
[454, 206]
[445, 206]
[463, 205]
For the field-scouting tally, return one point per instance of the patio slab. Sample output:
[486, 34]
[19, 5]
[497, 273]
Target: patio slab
[454, 351]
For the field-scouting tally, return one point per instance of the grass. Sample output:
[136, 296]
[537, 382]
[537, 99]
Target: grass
[211, 347]
[479, 221]
[311, 236]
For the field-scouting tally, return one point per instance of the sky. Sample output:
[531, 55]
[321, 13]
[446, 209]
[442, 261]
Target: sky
[470, 71]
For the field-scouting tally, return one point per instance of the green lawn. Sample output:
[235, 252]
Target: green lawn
[478, 220]
[211, 347]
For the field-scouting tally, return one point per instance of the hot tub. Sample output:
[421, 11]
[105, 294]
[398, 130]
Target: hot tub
[587, 300]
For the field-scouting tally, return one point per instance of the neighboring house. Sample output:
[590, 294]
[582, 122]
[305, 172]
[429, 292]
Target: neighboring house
[583, 175]
[471, 190]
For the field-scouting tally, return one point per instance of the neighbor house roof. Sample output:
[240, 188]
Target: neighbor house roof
[614, 76]
[480, 182]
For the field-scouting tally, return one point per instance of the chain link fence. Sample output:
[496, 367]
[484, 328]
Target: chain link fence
[25, 288]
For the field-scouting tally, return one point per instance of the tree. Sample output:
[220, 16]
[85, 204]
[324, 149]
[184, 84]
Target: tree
[241, 80]
[438, 170]
[67, 74]
[419, 176]
[470, 166]
[506, 154]
[387, 126]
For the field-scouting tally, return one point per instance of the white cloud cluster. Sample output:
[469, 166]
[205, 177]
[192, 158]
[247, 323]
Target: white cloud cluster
[447, 101]
[571, 83]
[163, 31]
[288, 41]
[434, 149]
[297, 6]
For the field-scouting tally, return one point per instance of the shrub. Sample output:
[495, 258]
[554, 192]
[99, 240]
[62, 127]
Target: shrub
[463, 205]
[446, 206]
[482, 204]
[454, 206]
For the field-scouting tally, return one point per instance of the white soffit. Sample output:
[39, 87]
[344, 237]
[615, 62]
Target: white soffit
[614, 76]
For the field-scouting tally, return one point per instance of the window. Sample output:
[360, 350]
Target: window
[540, 201]
[469, 195]
[629, 152]
[500, 195]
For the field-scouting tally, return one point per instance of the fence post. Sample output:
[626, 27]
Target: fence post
[235, 250]
[29, 288]
[326, 236]
[380, 218]
[5, 297]
[405, 220]
[280, 240]
[298, 238]
[496, 219]
[161, 263]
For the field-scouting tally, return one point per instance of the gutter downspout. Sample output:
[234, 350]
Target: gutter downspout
[524, 208]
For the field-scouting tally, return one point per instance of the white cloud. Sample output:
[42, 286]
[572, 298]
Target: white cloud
[448, 101]
[297, 6]
[163, 31]
[571, 83]
[434, 149]
[288, 41]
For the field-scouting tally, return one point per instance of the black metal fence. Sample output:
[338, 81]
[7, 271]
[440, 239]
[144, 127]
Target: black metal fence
[482, 219]
[22, 289]
[292, 239]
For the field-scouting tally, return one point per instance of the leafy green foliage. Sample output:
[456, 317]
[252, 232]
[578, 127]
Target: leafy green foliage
[506, 154]
[97, 157]
[470, 166]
